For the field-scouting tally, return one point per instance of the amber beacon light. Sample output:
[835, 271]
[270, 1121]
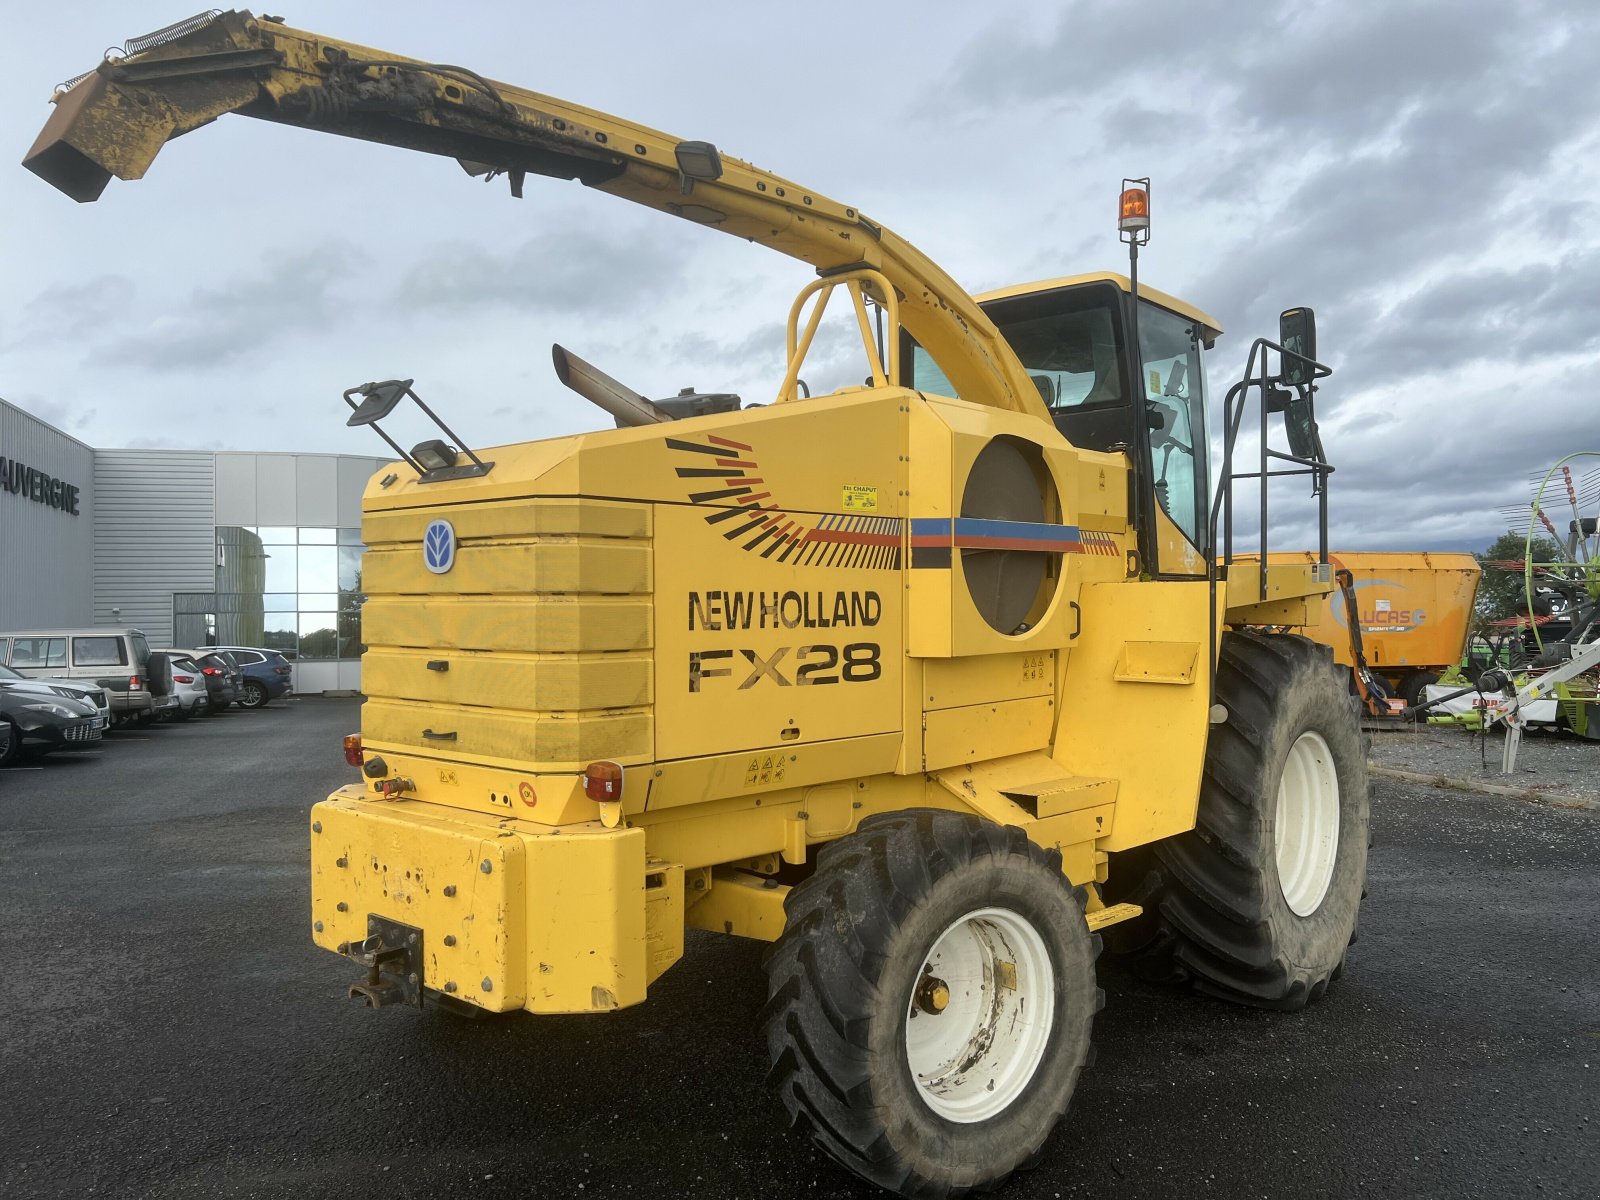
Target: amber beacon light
[1133, 213]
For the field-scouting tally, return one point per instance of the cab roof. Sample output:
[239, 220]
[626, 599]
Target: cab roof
[1211, 326]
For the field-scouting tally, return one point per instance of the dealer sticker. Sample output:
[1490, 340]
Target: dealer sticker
[858, 497]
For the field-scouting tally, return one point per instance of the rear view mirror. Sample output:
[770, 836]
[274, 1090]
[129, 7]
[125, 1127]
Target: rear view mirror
[1300, 425]
[1297, 334]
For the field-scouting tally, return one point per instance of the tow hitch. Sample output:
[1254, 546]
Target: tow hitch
[392, 955]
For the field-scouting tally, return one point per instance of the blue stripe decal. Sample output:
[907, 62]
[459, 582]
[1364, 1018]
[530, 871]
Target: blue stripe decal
[974, 527]
[940, 527]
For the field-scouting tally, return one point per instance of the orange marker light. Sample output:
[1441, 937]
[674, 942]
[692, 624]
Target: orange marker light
[602, 782]
[1134, 211]
[352, 749]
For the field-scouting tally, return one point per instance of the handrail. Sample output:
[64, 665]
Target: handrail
[799, 344]
[1256, 375]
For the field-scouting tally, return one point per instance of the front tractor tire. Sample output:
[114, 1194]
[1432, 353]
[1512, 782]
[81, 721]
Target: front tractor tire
[1259, 902]
[930, 1001]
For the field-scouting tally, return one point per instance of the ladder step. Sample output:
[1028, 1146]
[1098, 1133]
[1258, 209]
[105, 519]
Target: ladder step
[1112, 915]
[1064, 794]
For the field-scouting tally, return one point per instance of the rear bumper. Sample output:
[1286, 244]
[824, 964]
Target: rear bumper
[512, 915]
[130, 702]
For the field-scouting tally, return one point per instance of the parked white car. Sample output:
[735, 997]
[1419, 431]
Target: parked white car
[189, 686]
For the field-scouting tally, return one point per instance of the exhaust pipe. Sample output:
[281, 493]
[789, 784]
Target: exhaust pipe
[595, 386]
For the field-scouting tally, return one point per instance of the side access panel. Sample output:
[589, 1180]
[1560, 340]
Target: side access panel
[1136, 701]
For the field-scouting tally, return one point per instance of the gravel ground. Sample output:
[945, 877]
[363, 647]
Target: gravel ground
[1546, 762]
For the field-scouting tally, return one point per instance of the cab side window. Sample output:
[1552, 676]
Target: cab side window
[39, 652]
[99, 652]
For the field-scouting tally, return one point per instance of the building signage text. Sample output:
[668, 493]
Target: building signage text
[22, 480]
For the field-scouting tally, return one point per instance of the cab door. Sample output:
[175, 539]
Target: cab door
[1171, 383]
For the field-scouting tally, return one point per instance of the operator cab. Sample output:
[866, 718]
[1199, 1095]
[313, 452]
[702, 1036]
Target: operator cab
[1072, 337]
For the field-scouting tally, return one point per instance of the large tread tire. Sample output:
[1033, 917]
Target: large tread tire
[1216, 917]
[841, 982]
[1413, 686]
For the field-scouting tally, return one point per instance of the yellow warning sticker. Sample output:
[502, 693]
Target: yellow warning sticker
[765, 769]
[858, 497]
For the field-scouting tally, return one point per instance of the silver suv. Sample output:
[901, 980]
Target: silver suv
[137, 683]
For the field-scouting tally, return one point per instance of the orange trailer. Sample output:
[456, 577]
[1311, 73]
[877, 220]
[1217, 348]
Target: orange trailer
[1415, 610]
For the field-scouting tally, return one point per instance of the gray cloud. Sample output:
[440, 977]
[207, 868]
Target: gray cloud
[67, 310]
[1489, 313]
[581, 271]
[63, 415]
[245, 316]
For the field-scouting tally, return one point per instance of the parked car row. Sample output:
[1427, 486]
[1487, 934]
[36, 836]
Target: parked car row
[64, 687]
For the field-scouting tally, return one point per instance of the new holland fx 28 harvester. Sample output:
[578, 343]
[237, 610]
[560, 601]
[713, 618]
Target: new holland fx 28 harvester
[926, 682]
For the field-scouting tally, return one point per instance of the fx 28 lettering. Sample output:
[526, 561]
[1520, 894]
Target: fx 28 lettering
[788, 666]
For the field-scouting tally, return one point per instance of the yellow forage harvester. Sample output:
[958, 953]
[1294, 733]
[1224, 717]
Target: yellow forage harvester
[928, 682]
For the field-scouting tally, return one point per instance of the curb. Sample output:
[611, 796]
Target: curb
[1462, 783]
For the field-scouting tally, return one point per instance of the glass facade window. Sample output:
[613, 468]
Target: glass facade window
[294, 590]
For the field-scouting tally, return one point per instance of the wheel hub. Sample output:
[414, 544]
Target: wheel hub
[933, 995]
[1305, 830]
[990, 985]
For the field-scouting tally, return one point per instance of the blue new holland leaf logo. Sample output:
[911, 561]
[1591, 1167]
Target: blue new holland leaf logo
[439, 547]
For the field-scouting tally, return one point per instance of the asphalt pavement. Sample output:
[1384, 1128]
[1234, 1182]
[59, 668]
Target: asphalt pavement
[170, 1031]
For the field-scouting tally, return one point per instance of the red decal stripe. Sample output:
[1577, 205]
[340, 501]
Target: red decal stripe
[971, 542]
[853, 538]
[722, 441]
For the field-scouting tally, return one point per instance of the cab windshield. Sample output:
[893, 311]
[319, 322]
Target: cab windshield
[1071, 355]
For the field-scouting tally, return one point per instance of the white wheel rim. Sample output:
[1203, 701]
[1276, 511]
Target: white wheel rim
[971, 1060]
[1305, 832]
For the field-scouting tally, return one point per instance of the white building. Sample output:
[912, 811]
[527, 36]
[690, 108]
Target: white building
[194, 547]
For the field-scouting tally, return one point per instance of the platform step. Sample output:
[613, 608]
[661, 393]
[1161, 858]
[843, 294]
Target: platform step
[1064, 794]
[1112, 914]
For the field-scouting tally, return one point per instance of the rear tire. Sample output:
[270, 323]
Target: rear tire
[255, 694]
[1412, 688]
[1260, 901]
[924, 1095]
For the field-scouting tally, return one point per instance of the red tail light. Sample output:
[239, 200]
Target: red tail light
[352, 749]
[135, 683]
[281, 670]
[209, 671]
[183, 679]
[602, 781]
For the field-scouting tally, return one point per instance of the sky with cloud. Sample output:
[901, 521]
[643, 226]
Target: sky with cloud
[1422, 174]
